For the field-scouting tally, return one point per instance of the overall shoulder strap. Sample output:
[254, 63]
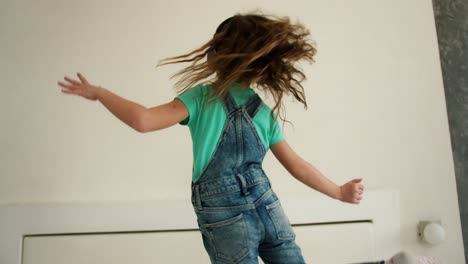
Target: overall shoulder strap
[252, 106]
[229, 103]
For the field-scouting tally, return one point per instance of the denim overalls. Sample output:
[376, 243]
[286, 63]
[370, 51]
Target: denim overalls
[239, 215]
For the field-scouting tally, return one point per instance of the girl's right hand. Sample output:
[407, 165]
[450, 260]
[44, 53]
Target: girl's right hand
[82, 88]
[351, 192]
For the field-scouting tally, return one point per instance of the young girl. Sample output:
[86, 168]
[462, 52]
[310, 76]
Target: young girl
[239, 215]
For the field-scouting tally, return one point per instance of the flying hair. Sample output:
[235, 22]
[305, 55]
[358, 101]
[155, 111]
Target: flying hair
[254, 50]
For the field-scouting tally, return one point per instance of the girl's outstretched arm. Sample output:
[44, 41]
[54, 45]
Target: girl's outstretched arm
[306, 173]
[136, 116]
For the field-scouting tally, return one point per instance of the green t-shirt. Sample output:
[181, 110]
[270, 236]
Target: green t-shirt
[206, 122]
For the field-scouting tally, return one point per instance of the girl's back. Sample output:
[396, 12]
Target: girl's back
[206, 122]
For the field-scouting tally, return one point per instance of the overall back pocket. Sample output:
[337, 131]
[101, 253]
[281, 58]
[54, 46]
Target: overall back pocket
[283, 228]
[229, 238]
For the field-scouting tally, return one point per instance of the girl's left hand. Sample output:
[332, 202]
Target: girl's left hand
[351, 192]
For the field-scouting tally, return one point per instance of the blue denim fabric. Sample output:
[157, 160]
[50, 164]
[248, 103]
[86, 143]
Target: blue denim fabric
[239, 215]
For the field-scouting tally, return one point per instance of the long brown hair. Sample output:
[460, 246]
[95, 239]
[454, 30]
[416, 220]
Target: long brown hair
[250, 49]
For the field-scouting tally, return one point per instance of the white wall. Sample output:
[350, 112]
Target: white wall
[377, 106]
